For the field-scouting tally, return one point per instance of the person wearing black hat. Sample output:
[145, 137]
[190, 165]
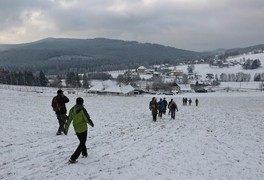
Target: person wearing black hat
[60, 110]
[80, 117]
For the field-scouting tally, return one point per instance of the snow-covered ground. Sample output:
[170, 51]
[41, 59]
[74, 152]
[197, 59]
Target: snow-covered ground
[259, 56]
[221, 139]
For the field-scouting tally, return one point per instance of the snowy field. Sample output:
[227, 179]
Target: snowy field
[222, 138]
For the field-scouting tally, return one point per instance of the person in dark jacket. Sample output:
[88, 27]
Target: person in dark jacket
[173, 107]
[160, 107]
[196, 102]
[185, 101]
[62, 110]
[165, 103]
[190, 102]
[80, 117]
[169, 105]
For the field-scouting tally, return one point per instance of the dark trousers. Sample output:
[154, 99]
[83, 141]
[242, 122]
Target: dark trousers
[154, 117]
[173, 114]
[164, 111]
[160, 113]
[61, 119]
[82, 147]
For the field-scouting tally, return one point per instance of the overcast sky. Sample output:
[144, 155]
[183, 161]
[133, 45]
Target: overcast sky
[186, 24]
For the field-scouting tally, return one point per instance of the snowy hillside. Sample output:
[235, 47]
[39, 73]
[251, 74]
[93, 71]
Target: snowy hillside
[222, 138]
[203, 69]
[259, 56]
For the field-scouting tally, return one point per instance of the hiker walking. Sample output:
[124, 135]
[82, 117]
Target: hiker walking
[169, 105]
[185, 103]
[58, 104]
[80, 117]
[165, 103]
[196, 102]
[190, 102]
[153, 106]
[160, 107]
[173, 107]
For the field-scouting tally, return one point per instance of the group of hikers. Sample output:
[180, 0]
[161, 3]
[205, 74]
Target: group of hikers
[158, 108]
[80, 118]
[186, 100]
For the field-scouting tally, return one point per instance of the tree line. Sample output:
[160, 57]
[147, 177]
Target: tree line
[232, 77]
[28, 78]
[259, 77]
[23, 78]
[240, 77]
[251, 64]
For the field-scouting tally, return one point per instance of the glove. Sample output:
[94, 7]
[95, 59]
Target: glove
[90, 122]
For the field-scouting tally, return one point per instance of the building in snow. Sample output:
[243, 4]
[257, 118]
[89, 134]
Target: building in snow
[111, 88]
[141, 69]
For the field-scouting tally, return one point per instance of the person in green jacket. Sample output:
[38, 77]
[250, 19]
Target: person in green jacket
[80, 117]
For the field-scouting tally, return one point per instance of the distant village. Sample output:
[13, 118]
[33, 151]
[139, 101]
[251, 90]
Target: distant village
[166, 79]
[163, 79]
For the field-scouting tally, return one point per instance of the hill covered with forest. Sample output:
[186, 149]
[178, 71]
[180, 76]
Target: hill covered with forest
[60, 55]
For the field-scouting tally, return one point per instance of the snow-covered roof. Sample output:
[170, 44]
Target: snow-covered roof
[110, 87]
[113, 89]
[100, 86]
[145, 76]
[185, 87]
[142, 67]
[127, 89]
[97, 87]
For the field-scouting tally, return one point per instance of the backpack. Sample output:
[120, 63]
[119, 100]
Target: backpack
[152, 105]
[173, 106]
[55, 104]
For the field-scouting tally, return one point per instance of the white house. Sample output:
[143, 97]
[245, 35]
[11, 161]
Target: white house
[185, 87]
[141, 69]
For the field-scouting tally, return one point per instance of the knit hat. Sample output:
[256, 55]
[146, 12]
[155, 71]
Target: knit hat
[79, 101]
[59, 91]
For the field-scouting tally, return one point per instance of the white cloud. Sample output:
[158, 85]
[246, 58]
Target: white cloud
[186, 24]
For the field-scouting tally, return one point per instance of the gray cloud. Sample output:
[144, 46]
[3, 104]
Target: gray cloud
[187, 24]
